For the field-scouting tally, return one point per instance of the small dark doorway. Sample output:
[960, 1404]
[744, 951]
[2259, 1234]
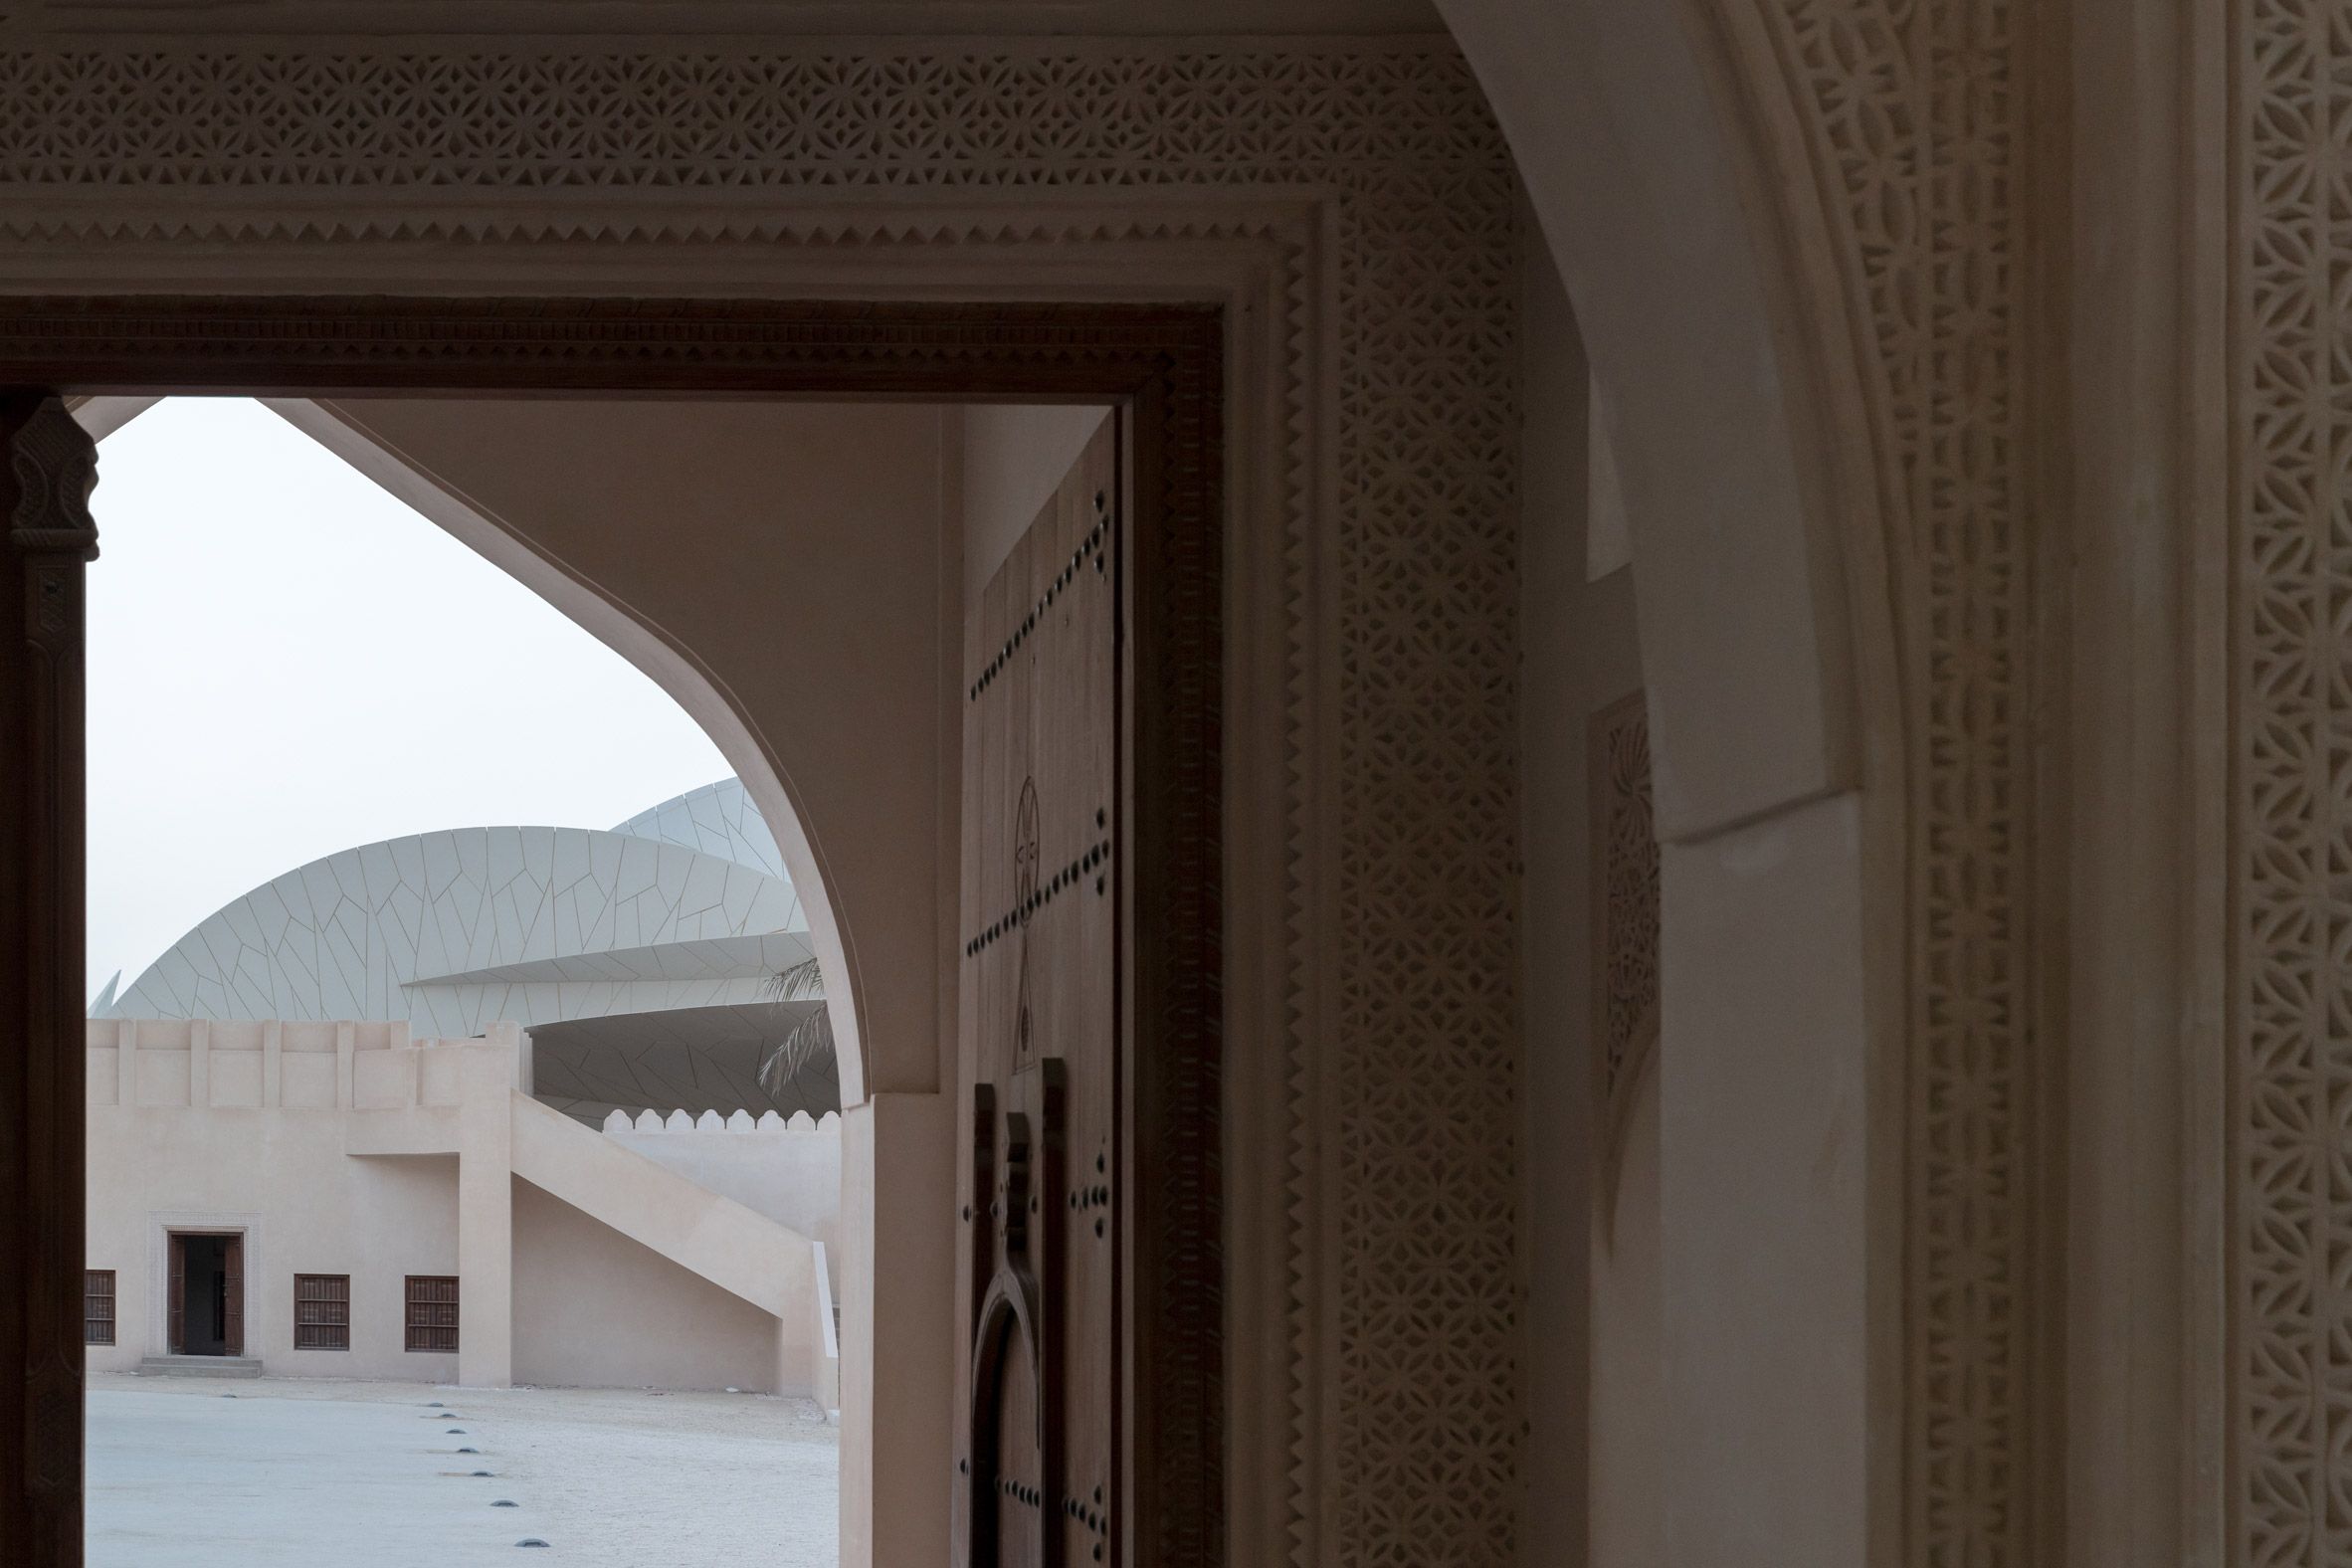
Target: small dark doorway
[207, 1295]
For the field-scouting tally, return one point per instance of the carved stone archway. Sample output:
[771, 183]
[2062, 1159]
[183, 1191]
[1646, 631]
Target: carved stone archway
[1352, 195]
[1160, 361]
[1806, 243]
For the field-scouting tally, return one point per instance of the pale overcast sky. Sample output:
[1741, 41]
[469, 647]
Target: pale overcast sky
[286, 662]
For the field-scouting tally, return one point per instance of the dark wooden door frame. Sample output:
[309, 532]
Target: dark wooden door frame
[176, 1294]
[233, 1294]
[1162, 363]
[175, 1245]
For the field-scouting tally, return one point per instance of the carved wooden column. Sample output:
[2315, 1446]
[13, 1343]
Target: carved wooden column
[46, 479]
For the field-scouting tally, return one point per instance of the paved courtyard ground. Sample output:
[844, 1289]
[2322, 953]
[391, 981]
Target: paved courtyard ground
[192, 1472]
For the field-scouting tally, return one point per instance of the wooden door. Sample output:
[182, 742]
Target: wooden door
[175, 1305]
[1039, 1469]
[233, 1295]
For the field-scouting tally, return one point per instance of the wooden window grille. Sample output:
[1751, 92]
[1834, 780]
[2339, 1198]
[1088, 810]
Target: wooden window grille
[97, 1306]
[322, 1311]
[431, 1313]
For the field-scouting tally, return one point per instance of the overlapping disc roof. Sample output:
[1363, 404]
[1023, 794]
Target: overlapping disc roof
[661, 938]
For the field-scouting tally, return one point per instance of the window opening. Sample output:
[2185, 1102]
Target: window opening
[322, 1311]
[97, 1306]
[433, 1312]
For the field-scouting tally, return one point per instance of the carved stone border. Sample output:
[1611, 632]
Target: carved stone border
[2288, 1213]
[1261, 261]
[1166, 361]
[1917, 125]
[1353, 201]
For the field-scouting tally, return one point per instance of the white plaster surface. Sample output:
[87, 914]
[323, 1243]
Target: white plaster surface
[360, 1476]
[717, 819]
[453, 930]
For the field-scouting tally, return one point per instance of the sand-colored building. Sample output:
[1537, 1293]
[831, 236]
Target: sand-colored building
[386, 1115]
[319, 1199]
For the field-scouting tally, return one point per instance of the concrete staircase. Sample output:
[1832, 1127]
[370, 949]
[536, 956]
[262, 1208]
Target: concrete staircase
[741, 1251]
[435, 1105]
[774, 1268]
[200, 1366]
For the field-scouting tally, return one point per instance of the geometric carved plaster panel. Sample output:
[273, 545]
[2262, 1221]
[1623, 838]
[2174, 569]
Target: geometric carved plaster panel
[676, 18]
[2290, 1372]
[1916, 119]
[1400, 505]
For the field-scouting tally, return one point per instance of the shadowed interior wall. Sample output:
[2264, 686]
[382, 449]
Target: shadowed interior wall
[1628, 1529]
[1592, 1307]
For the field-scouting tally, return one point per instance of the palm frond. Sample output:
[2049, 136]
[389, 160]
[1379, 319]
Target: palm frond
[810, 1039]
[801, 982]
[809, 1043]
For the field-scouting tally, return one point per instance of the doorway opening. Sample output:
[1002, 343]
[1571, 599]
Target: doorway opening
[206, 1303]
[1142, 847]
[509, 1104]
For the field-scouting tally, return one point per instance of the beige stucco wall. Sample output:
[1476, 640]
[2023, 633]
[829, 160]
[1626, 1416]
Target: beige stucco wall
[347, 1148]
[897, 1288]
[793, 1175]
[278, 1173]
[593, 1309]
[798, 551]
[1592, 1279]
